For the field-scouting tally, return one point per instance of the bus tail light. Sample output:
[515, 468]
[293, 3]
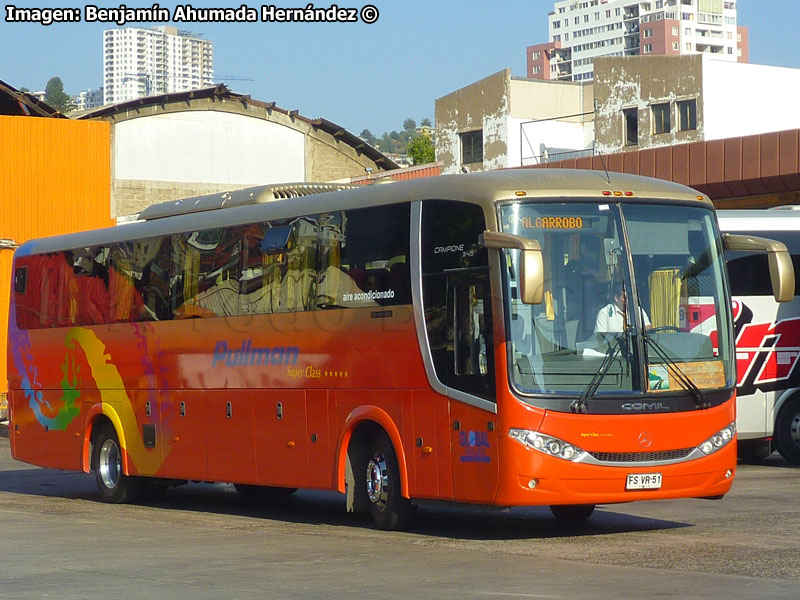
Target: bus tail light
[718, 440]
[546, 444]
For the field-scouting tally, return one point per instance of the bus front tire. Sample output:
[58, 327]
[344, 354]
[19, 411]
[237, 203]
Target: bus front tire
[787, 430]
[389, 509]
[115, 487]
[572, 512]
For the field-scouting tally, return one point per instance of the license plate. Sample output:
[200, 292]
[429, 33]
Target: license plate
[643, 481]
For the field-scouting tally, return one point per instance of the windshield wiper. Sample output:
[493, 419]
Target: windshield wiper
[581, 405]
[686, 381]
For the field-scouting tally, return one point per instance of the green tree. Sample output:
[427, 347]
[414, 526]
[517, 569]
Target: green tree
[409, 125]
[386, 143]
[421, 150]
[56, 97]
[426, 122]
[367, 135]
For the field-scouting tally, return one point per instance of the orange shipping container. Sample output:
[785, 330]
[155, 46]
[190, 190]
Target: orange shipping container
[55, 177]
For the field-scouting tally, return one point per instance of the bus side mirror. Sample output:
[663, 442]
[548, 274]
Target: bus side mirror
[781, 271]
[531, 276]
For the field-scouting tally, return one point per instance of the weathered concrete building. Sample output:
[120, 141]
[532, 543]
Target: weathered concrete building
[655, 101]
[212, 140]
[504, 121]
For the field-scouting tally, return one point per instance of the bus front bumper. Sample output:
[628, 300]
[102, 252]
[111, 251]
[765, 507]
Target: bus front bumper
[547, 480]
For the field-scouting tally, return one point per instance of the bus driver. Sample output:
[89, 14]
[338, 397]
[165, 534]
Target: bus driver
[611, 318]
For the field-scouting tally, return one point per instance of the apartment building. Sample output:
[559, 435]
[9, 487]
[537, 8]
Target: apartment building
[582, 30]
[88, 99]
[147, 62]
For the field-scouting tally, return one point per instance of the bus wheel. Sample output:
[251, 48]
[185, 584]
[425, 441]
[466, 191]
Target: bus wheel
[114, 485]
[787, 430]
[572, 512]
[389, 509]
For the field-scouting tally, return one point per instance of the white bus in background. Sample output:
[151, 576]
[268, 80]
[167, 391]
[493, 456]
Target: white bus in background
[767, 336]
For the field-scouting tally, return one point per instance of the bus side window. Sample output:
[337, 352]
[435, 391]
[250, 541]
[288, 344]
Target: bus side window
[279, 266]
[363, 259]
[748, 274]
[456, 297]
[124, 284]
[470, 354]
[206, 270]
[59, 300]
[152, 260]
[91, 274]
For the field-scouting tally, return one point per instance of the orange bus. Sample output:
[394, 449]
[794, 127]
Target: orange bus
[505, 338]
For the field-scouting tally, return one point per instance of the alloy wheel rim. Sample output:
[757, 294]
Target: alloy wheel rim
[794, 429]
[110, 464]
[378, 480]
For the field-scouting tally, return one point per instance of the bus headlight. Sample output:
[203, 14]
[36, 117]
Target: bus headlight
[546, 444]
[718, 440]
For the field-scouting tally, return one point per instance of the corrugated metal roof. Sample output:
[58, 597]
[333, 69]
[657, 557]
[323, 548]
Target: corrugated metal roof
[221, 92]
[734, 172]
[21, 104]
[415, 172]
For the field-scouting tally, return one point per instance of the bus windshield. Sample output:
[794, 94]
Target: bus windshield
[634, 303]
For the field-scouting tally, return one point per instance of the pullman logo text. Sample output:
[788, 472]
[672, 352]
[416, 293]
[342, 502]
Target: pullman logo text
[248, 355]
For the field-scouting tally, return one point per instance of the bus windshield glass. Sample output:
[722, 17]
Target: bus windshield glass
[634, 302]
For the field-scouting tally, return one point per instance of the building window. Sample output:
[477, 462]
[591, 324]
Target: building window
[472, 147]
[675, 46]
[535, 55]
[675, 31]
[631, 117]
[648, 48]
[536, 69]
[687, 115]
[648, 33]
[661, 120]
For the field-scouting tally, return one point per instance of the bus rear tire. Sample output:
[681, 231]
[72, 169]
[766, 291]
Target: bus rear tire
[115, 487]
[390, 510]
[787, 430]
[572, 512]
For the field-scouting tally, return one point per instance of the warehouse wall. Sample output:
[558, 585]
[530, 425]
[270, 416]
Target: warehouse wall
[55, 177]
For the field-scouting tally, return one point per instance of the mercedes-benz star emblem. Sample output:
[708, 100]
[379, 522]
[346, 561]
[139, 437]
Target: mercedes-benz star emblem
[645, 439]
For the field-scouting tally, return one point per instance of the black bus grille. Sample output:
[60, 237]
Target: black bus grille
[634, 457]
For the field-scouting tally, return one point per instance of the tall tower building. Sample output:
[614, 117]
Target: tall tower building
[148, 62]
[581, 30]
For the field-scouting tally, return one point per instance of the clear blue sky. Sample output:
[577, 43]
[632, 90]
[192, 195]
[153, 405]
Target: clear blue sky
[357, 75]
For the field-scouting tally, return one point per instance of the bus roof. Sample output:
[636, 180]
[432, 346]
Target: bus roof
[766, 219]
[263, 203]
